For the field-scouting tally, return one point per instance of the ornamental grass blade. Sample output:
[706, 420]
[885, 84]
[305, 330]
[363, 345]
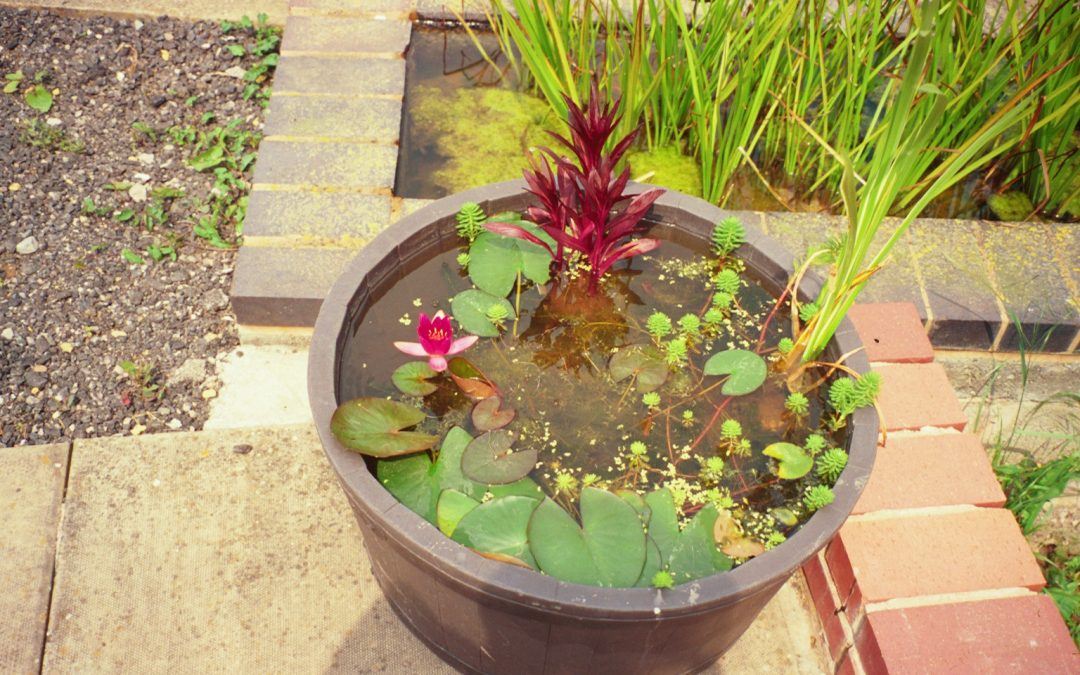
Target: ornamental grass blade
[374, 426]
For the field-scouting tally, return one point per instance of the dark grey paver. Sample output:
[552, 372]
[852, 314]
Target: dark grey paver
[31, 494]
[336, 34]
[331, 215]
[284, 286]
[1033, 289]
[339, 75]
[348, 165]
[365, 119]
[958, 282]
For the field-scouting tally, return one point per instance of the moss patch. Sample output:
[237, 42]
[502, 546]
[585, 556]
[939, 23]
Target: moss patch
[486, 134]
[669, 168]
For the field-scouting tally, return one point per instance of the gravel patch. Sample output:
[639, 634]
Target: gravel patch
[92, 341]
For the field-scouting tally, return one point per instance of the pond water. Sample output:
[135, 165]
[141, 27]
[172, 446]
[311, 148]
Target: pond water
[465, 124]
[552, 368]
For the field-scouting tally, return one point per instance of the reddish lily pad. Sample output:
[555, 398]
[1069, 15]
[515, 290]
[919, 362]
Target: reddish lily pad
[375, 426]
[491, 459]
[488, 415]
[469, 379]
[412, 378]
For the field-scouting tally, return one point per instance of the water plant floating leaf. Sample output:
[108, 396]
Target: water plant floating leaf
[495, 260]
[488, 414]
[451, 508]
[447, 470]
[644, 362]
[731, 540]
[490, 459]
[374, 426]
[409, 480]
[694, 554]
[663, 520]
[469, 379]
[607, 549]
[526, 487]
[794, 462]
[499, 526]
[472, 307]
[412, 378]
[746, 369]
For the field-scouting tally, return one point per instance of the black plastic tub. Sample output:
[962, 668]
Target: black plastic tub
[486, 616]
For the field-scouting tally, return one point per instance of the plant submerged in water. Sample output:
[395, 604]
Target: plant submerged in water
[436, 341]
[577, 200]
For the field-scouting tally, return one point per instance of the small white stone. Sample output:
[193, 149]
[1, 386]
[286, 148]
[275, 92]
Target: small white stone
[7, 334]
[235, 71]
[28, 245]
[53, 121]
[137, 192]
[120, 76]
[138, 24]
[141, 177]
[174, 424]
[146, 158]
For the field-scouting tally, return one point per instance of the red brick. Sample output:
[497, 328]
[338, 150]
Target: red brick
[831, 616]
[1010, 635]
[930, 470]
[892, 332]
[916, 395]
[902, 557]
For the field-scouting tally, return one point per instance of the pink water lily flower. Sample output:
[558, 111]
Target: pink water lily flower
[436, 341]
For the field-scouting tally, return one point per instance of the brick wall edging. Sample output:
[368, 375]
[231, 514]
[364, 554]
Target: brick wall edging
[931, 574]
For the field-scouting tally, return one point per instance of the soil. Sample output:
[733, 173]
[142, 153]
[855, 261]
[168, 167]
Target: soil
[74, 311]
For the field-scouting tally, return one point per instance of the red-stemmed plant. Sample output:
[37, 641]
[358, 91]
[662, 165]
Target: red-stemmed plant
[578, 197]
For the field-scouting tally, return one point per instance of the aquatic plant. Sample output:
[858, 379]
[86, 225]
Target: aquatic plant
[437, 341]
[578, 198]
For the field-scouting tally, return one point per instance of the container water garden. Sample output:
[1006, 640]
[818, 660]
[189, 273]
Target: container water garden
[573, 423]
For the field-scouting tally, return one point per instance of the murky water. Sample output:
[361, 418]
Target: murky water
[552, 368]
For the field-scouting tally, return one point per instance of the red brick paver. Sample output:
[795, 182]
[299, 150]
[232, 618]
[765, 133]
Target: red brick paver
[1009, 635]
[892, 332]
[951, 552]
[930, 470]
[917, 395]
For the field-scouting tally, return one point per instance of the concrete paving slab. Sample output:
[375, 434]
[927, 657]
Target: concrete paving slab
[261, 386]
[31, 493]
[178, 553]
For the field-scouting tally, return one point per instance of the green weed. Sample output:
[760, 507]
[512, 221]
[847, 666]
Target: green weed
[35, 132]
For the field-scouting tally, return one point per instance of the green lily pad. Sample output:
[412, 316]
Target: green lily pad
[470, 308]
[663, 520]
[607, 549]
[794, 462]
[447, 472]
[747, 370]
[499, 526]
[412, 378]
[374, 426]
[495, 260]
[469, 379]
[654, 562]
[644, 362]
[526, 487]
[490, 459]
[488, 414]
[451, 508]
[410, 480]
[694, 554]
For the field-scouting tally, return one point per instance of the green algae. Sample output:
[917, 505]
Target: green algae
[485, 134]
[667, 167]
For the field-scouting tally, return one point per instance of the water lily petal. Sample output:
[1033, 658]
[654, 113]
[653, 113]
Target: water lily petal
[437, 363]
[461, 344]
[439, 334]
[411, 348]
